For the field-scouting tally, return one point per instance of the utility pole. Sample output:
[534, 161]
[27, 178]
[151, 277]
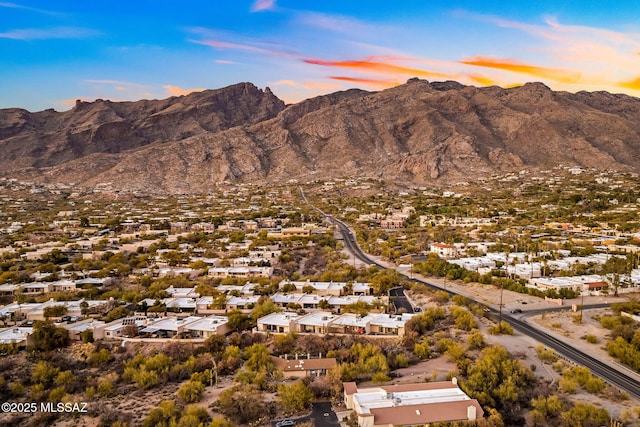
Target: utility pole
[581, 305]
[501, 291]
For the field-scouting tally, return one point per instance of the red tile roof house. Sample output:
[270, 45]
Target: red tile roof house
[410, 404]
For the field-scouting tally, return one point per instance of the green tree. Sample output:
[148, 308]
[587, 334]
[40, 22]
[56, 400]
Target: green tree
[46, 336]
[463, 319]
[498, 380]
[116, 313]
[55, 311]
[586, 415]
[163, 416]
[44, 373]
[476, 341]
[384, 280]
[230, 360]
[264, 308]
[258, 358]
[191, 391]
[243, 404]
[221, 422]
[193, 416]
[238, 321]
[422, 349]
[548, 406]
[296, 396]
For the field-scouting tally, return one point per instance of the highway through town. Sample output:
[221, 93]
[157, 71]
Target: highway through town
[614, 376]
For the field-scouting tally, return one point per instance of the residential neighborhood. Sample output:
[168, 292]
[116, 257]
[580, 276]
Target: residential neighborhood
[255, 290]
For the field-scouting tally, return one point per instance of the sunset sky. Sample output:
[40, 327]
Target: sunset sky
[54, 52]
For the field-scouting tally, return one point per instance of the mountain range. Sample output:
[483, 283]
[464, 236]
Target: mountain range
[418, 133]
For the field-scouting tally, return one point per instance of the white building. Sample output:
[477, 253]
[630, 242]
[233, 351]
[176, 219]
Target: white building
[411, 404]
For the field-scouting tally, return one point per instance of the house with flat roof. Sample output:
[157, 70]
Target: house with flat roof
[409, 405]
[16, 335]
[331, 288]
[317, 322]
[206, 327]
[242, 303]
[181, 304]
[240, 272]
[8, 289]
[282, 323]
[169, 327]
[116, 329]
[182, 292]
[77, 328]
[389, 324]
[303, 367]
[351, 324]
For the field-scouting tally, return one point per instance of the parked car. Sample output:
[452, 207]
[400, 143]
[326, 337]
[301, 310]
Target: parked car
[516, 310]
[285, 423]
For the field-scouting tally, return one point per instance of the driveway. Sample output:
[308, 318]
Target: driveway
[323, 415]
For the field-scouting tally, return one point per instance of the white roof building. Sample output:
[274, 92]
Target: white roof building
[411, 404]
[205, 327]
[15, 335]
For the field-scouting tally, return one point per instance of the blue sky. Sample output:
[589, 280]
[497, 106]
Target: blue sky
[54, 52]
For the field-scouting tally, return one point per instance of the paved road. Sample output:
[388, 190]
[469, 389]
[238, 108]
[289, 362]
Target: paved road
[400, 300]
[610, 374]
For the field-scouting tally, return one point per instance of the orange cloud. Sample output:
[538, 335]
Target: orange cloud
[375, 82]
[377, 67]
[178, 91]
[484, 81]
[320, 85]
[306, 84]
[285, 83]
[633, 84]
[563, 76]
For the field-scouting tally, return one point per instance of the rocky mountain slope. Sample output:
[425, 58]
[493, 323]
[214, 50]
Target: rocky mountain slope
[419, 132]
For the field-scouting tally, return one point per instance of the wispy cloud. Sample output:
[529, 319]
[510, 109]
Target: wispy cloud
[224, 61]
[378, 67]
[260, 5]
[112, 82]
[10, 5]
[338, 23]
[50, 33]
[247, 46]
[285, 83]
[306, 84]
[563, 76]
[606, 58]
[178, 91]
[384, 83]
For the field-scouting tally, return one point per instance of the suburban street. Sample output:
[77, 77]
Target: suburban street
[613, 375]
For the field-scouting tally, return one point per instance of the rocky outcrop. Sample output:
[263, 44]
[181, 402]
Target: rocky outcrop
[419, 132]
